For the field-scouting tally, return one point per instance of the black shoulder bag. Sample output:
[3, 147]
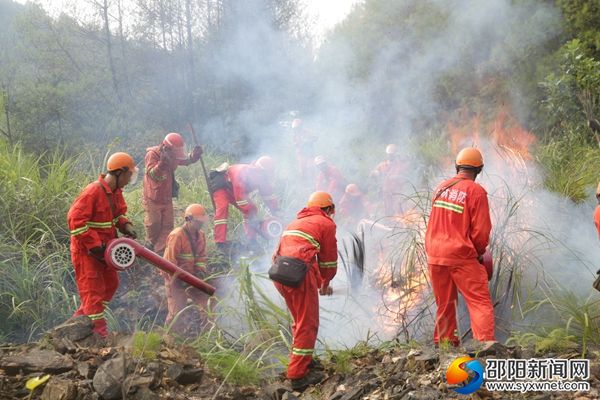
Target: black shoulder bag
[288, 271]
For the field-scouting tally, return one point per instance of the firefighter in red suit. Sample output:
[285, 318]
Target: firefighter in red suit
[236, 183]
[310, 238]
[186, 248]
[330, 179]
[391, 176]
[304, 142]
[160, 187]
[354, 206]
[93, 220]
[458, 233]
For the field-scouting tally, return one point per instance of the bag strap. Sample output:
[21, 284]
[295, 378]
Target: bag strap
[113, 209]
[192, 242]
[439, 193]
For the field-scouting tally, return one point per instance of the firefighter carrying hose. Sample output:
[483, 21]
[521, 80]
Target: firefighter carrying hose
[160, 187]
[457, 235]
[186, 248]
[232, 184]
[310, 240]
[93, 220]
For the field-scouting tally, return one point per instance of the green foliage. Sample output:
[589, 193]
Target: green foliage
[146, 345]
[342, 360]
[555, 341]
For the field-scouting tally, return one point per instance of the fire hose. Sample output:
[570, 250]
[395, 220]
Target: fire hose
[121, 253]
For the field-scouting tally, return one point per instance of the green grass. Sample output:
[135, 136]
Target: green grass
[146, 345]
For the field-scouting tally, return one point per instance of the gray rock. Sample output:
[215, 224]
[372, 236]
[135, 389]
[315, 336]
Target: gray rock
[36, 360]
[59, 389]
[74, 329]
[109, 378]
[184, 375]
[143, 393]
[289, 396]
[85, 370]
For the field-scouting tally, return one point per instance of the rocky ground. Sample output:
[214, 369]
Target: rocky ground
[81, 366]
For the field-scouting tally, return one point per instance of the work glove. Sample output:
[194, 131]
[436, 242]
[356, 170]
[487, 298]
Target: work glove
[326, 290]
[196, 153]
[480, 259]
[129, 231]
[98, 252]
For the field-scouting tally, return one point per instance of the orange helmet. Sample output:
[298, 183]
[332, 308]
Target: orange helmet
[469, 157]
[196, 211]
[391, 149]
[320, 199]
[175, 141]
[296, 123]
[353, 190]
[120, 161]
[266, 163]
[320, 160]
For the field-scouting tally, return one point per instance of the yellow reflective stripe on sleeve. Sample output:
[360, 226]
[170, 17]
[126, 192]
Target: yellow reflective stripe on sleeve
[115, 220]
[303, 235]
[95, 224]
[330, 264]
[242, 202]
[200, 264]
[156, 177]
[220, 221]
[448, 206]
[302, 352]
[79, 231]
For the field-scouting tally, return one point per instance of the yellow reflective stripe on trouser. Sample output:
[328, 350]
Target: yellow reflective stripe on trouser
[220, 221]
[302, 352]
[185, 256]
[448, 206]
[200, 264]
[96, 224]
[79, 231]
[95, 317]
[242, 202]
[303, 235]
[330, 264]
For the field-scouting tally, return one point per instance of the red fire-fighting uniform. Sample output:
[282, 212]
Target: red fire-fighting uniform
[187, 250]
[352, 209]
[158, 196]
[93, 220]
[244, 179]
[331, 181]
[457, 234]
[597, 219]
[311, 238]
[392, 178]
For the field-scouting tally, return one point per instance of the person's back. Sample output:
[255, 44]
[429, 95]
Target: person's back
[459, 225]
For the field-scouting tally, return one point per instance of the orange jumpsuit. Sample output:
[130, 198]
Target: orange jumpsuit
[158, 197]
[352, 209]
[597, 219]
[392, 177]
[187, 250]
[311, 238]
[457, 233]
[244, 179]
[331, 181]
[93, 220]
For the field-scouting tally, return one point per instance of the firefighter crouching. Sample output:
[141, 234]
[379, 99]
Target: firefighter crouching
[160, 187]
[232, 184]
[309, 242]
[186, 248]
[93, 220]
[457, 235]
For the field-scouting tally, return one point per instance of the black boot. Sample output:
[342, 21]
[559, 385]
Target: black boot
[312, 378]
